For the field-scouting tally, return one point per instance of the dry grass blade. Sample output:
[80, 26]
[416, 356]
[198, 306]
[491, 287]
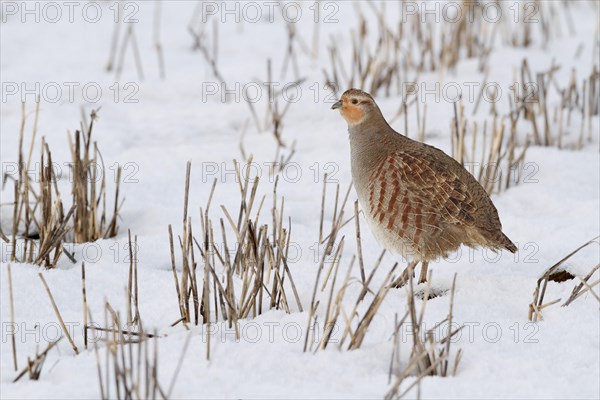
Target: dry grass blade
[365, 322]
[539, 293]
[359, 243]
[60, 320]
[179, 363]
[590, 286]
[85, 307]
[34, 367]
[4, 237]
[12, 319]
[584, 287]
[133, 312]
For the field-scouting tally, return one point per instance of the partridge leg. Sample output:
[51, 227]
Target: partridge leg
[423, 276]
[403, 279]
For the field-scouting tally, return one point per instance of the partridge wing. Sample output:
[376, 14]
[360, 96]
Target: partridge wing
[408, 193]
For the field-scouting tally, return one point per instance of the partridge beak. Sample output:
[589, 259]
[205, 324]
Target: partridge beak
[337, 105]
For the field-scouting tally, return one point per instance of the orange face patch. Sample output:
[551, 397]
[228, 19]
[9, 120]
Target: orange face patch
[351, 113]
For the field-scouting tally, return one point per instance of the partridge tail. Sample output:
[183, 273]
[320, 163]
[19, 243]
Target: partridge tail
[507, 243]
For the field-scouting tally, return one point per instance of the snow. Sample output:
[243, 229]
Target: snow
[175, 120]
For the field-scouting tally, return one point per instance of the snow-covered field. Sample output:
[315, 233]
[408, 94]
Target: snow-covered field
[152, 126]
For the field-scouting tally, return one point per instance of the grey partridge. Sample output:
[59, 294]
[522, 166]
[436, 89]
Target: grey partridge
[419, 202]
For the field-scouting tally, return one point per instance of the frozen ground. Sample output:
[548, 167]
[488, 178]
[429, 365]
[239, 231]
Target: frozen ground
[176, 119]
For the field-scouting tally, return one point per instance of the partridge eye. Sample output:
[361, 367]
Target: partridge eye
[354, 101]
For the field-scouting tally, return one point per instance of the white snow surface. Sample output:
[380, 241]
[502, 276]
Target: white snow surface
[505, 356]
